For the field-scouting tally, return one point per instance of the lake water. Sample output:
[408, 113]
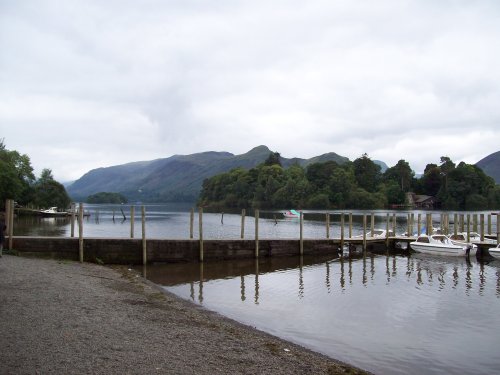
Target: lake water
[395, 314]
[399, 314]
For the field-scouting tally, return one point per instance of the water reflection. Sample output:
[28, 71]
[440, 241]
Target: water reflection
[420, 270]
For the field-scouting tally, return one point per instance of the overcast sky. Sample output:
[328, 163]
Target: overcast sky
[88, 84]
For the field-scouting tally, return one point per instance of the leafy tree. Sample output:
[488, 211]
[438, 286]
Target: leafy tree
[273, 158]
[402, 174]
[106, 197]
[367, 173]
[48, 192]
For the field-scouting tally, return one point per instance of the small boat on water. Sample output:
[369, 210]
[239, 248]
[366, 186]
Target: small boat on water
[291, 214]
[461, 238]
[53, 212]
[439, 244]
[495, 251]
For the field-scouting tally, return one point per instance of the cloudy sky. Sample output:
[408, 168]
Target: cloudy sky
[91, 83]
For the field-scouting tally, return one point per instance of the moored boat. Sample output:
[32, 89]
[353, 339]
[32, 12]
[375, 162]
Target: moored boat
[53, 212]
[495, 251]
[291, 214]
[439, 244]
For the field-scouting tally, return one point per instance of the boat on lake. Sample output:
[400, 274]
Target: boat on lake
[495, 251]
[53, 212]
[461, 238]
[439, 244]
[291, 214]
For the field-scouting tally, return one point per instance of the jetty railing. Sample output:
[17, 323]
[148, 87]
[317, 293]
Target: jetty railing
[415, 222]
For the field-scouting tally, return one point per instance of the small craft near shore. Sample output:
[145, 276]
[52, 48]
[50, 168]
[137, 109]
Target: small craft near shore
[53, 212]
[439, 244]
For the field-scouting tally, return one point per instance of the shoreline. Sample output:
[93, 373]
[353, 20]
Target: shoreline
[70, 317]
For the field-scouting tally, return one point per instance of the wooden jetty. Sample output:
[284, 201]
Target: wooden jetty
[144, 250]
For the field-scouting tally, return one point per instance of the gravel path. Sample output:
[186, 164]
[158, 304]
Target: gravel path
[64, 317]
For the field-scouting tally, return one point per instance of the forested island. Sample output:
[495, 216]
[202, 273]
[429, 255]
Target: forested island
[355, 185]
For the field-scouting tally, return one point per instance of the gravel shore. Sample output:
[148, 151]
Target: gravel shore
[65, 317]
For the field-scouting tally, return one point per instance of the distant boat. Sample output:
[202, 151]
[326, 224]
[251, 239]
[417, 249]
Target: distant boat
[291, 214]
[53, 212]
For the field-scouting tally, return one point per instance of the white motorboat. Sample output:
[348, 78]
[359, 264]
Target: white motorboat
[439, 244]
[461, 238]
[291, 214]
[53, 212]
[495, 252]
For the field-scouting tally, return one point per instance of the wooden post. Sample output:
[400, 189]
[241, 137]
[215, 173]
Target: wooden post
[468, 227]
[408, 225]
[73, 209]
[419, 224]
[200, 228]
[455, 224]
[412, 224]
[301, 242]
[489, 223]
[364, 232]
[80, 231]
[462, 224]
[372, 224]
[11, 224]
[428, 224]
[191, 223]
[132, 221]
[387, 230]
[243, 214]
[350, 225]
[256, 234]
[394, 223]
[327, 223]
[342, 222]
[498, 228]
[474, 223]
[481, 219]
[144, 247]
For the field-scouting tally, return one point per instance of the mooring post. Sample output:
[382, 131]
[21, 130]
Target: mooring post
[481, 219]
[342, 222]
[364, 233]
[474, 223]
[419, 224]
[243, 214]
[372, 224]
[11, 224]
[498, 228]
[468, 227]
[200, 228]
[455, 224]
[132, 221]
[144, 247]
[301, 242]
[462, 223]
[427, 224]
[256, 233]
[489, 223]
[394, 223]
[80, 231]
[350, 224]
[408, 225]
[387, 230]
[191, 223]
[412, 224]
[73, 209]
[327, 224]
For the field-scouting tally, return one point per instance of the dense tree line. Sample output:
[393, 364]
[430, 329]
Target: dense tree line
[356, 185]
[18, 182]
[106, 197]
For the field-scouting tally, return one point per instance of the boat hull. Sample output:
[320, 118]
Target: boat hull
[426, 248]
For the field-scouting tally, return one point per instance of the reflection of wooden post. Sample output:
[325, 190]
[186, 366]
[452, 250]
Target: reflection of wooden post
[80, 232]
[132, 221]
[73, 209]
[191, 223]
[455, 224]
[200, 228]
[481, 218]
[144, 248]
[256, 233]
[243, 214]
[327, 223]
[301, 233]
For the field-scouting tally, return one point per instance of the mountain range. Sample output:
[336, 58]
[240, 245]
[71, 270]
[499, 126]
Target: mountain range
[179, 178]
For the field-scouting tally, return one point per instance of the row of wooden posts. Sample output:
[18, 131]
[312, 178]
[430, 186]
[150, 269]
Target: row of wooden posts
[461, 223]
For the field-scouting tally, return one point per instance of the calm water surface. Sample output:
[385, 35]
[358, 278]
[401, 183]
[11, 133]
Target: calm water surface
[387, 314]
